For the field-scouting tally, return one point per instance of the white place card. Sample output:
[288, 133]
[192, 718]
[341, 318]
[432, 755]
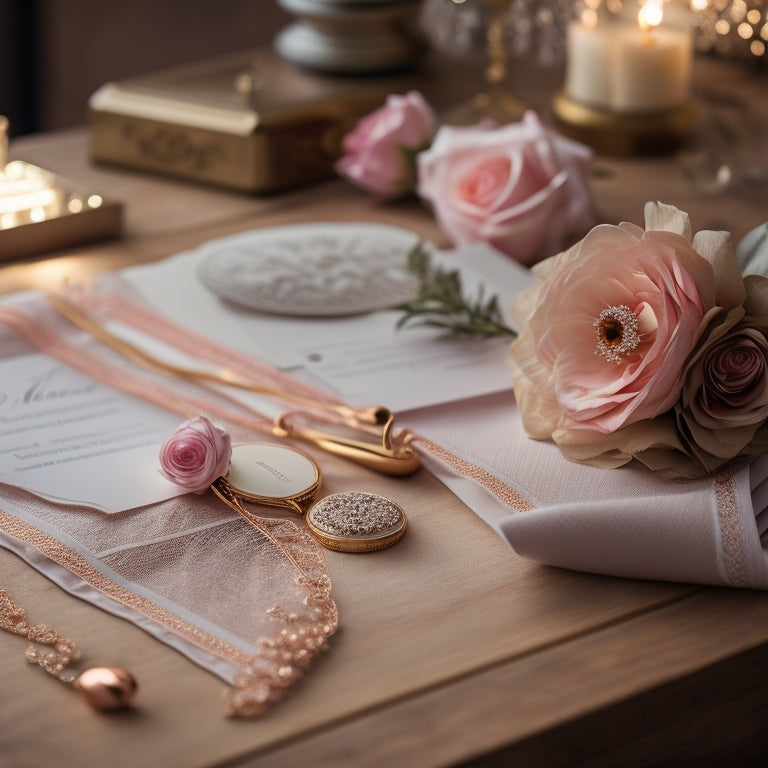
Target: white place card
[70, 439]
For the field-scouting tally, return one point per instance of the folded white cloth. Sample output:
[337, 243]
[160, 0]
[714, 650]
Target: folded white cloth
[621, 522]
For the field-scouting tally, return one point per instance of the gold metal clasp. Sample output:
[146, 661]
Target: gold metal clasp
[383, 457]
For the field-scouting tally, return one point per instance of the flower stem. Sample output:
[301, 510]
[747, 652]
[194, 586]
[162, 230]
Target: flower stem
[441, 303]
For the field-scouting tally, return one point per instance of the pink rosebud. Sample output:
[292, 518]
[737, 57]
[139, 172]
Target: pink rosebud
[380, 151]
[195, 455]
[521, 188]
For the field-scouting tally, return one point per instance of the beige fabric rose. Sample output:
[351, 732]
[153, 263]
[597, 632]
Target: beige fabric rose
[724, 401]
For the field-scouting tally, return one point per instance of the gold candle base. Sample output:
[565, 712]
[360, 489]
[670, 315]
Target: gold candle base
[632, 133]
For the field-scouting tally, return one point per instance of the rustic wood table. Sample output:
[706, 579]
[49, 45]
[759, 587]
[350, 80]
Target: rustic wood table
[452, 650]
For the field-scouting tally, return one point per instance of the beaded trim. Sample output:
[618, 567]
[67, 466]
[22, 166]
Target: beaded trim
[490, 482]
[60, 650]
[731, 532]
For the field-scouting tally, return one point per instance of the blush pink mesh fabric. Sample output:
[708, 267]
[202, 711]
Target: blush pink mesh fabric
[178, 567]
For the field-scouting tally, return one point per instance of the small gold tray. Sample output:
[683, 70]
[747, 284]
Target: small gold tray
[41, 212]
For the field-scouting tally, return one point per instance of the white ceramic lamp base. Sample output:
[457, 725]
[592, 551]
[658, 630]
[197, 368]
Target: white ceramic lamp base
[352, 37]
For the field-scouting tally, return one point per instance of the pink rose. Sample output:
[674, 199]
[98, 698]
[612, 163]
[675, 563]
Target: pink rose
[380, 151]
[195, 455]
[610, 326]
[521, 188]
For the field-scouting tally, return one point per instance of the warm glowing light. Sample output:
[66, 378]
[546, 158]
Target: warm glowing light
[753, 16]
[722, 27]
[699, 5]
[745, 30]
[95, 201]
[757, 47]
[589, 18]
[650, 15]
[26, 197]
[738, 10]
[27, 194]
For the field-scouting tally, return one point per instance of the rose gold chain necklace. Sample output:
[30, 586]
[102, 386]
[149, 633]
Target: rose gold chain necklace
[103, 688]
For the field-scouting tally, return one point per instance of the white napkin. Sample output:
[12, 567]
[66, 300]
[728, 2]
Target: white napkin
[621, 522]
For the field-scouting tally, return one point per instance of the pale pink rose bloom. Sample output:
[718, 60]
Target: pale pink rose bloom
[521, 188]
[196, 454]
[579, 393]
[379, 153]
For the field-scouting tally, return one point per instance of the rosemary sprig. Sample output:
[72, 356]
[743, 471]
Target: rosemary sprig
[441, 303]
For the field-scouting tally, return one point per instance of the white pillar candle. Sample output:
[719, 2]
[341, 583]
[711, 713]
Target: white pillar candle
[587, 75]
[629, 68]
[651, 70]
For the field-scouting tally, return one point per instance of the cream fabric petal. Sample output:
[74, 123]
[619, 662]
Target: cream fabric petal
[660, 216]
[715, 247]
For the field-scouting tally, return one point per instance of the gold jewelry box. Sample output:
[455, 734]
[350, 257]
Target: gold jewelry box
[250, 122]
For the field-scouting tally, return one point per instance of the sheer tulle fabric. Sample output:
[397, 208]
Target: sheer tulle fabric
[178, 568]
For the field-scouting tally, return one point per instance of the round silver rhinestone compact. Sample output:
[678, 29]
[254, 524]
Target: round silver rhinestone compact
[354, 521]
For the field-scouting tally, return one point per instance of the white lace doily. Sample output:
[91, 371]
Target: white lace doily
[312, 269]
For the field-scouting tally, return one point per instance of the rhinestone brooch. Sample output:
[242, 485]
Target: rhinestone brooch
[356, 522]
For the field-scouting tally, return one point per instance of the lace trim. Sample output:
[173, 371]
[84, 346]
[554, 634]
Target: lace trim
[75, 563]
[731, 531]
[283, 657]
[490, 482]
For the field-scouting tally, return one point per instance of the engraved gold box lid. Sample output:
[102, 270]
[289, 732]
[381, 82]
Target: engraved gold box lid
[250, 121]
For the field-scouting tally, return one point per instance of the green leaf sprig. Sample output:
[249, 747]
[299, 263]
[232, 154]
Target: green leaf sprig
[441, 303]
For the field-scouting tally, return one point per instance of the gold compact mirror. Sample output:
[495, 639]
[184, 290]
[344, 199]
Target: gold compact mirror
[279, 476]
[275, 475]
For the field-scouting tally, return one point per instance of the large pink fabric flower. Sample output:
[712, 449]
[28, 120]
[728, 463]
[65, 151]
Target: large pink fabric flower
[196, 454]
[610, 326]
[521, 188]
[379, 154]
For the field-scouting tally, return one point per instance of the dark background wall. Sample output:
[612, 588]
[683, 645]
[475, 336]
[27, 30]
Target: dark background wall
[55, 53]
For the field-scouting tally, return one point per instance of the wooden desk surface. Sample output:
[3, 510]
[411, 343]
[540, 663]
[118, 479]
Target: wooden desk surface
[452, 650]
